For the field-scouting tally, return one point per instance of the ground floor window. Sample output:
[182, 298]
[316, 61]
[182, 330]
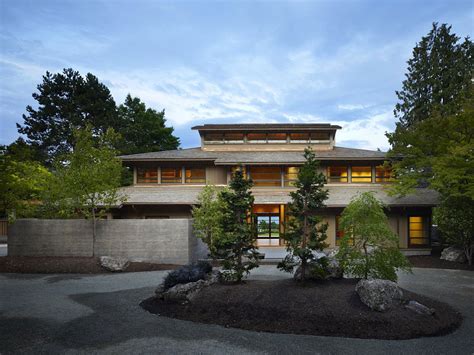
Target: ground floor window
[418, 232]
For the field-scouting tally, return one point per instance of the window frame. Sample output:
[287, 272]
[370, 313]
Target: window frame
[256, 183]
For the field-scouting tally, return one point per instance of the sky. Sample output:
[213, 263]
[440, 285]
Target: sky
[336, 62]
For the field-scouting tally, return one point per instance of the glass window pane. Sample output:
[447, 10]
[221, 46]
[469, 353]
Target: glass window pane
[147, 175]
[195, 175]
[382, 174]
[257, 137]
[291, 174]
[361, 174]
[234, 137]
[319, 136]
[339, 231]
[337, 173]
[299, 137]
[214, 137]
[265, 175]
[418, 231]
[171, 175]
[276, 137]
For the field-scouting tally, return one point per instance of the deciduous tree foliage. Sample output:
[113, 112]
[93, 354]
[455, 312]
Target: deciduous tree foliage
[86, 180]
[369, 248]
[208, 217]
[305, 232]
[455, 218]
[22, 181]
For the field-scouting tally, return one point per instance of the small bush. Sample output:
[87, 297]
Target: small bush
[188, 273]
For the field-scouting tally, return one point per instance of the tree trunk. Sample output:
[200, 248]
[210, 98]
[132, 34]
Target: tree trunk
[366, 268]
[468, 252]
[93, 231]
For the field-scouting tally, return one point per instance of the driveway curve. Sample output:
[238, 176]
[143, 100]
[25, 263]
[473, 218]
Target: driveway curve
[100, 314]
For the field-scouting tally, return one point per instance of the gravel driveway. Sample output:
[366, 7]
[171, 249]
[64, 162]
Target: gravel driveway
[100, 314]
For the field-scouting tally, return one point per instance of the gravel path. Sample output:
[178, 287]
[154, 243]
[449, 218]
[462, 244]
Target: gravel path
[100, 314]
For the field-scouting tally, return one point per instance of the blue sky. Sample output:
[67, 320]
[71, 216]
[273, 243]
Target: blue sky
[227, 61]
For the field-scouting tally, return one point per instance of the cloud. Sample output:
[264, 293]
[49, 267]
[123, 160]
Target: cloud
[352, 107]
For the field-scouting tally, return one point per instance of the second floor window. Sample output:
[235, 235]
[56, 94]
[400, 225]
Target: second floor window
[265, 175]
[171, 175]
[195, 175]
[337, 173]
[147, 175]
[291, 174]
[361, 174]
[383, 174]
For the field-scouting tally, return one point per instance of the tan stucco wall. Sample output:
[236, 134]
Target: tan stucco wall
[331, 231]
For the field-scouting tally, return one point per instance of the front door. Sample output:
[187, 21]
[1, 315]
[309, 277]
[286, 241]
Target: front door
[268, 229]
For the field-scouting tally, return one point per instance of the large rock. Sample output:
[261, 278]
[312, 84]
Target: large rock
[186, 291]
[379, 295]
[114, 263]
[453, 254]
[183, 292]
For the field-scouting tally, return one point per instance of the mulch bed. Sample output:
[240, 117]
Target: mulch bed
[434, 262]
[330, 308]
[75, 265]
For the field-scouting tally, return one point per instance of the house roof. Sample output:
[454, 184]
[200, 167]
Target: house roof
[253, 157]
[339, 196]
[287, 127]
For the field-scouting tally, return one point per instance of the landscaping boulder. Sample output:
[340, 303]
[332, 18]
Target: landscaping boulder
[379, 295]
[419, 308]
[114, 264]
[453, 254]
[185, 291]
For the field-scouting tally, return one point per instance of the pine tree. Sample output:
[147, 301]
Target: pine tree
[238, 233]
[305, 232]
[438, 74]
[67, 102]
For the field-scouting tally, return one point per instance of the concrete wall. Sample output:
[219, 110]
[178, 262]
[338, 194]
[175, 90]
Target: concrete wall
[167, 241]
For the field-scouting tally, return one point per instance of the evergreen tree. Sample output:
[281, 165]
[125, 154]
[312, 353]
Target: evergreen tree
[305, 232]
[436, 110]
[143, 129]
[238, 237]
[67, 102]
[439, 72]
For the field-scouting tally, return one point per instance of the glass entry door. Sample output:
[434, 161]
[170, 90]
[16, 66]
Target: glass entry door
[268, 229]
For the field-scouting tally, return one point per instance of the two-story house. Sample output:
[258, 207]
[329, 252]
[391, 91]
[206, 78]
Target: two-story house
[167, 183]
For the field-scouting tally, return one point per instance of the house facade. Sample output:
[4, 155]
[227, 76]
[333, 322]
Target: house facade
[167, 183]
